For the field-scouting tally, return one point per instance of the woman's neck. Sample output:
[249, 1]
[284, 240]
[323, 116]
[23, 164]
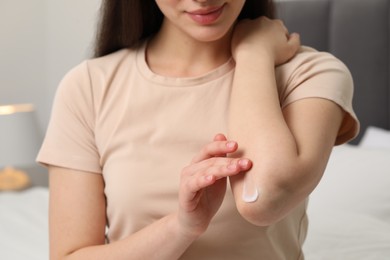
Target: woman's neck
[175, 54]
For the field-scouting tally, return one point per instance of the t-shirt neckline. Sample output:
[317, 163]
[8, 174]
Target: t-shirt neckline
[145, 70]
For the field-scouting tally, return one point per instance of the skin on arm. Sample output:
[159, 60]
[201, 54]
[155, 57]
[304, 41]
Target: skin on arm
[290, 148]
[78, 221]
[77, 210]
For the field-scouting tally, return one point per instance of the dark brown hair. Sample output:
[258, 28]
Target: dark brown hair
[125, 23]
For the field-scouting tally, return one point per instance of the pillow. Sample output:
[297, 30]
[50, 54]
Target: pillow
[349, 211]
[356, 179]
[376, 137]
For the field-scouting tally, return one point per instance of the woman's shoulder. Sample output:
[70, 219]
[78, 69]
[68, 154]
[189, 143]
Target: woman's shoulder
[104, 64]
[308, 58]
[308, 63]
[102, 68]
[94, 75]
[307, 53]
[112, 61]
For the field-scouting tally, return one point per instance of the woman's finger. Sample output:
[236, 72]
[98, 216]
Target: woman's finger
[218, 168]
[193, 183]
[294, 39]
[215, 148]
[220, 137]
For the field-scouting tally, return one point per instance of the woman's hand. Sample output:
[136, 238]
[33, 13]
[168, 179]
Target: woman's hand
[266, 37]
[203, 184]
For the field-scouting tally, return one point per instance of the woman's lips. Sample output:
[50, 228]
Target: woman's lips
[206, 16]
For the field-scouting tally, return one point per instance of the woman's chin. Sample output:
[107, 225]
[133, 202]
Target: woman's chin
[210, 35]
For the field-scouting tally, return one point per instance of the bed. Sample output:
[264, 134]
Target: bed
[349, 212]
[24, 224]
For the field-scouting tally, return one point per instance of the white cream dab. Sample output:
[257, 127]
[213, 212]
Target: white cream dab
[250, 193]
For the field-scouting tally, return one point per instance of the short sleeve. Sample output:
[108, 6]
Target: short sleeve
[69, 140]
[313, 74]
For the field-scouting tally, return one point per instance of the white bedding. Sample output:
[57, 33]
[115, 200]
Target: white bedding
[24, 225]
[349, 212]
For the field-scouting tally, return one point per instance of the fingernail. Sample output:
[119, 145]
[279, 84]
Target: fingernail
[244, 162]
[230, 144]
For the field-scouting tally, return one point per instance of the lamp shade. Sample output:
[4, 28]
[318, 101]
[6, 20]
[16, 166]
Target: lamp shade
[19, 135]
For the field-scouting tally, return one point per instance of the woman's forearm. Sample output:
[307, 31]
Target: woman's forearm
[161, 240]
[256, 122]
[289, 148]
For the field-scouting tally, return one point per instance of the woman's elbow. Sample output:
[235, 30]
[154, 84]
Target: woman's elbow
[261, 212]
[276, 196]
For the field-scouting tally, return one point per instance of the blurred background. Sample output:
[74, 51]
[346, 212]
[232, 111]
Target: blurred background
[40, 41]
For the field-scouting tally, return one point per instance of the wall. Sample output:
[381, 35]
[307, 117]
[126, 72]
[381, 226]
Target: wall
[70, 27]
[40, 41]
[22, 51]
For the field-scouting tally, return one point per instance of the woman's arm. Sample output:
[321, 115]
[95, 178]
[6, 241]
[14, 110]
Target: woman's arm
[77, 213]
[78, 221]
[290, 148]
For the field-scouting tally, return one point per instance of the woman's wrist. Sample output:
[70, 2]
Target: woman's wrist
[181, 231]
[255, 59]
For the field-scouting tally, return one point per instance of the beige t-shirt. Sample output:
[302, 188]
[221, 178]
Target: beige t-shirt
[114, 116]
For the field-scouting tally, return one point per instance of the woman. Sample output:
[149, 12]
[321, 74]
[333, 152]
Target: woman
[184, 140]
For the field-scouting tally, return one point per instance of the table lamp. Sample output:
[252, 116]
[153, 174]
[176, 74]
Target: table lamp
[19, 145]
